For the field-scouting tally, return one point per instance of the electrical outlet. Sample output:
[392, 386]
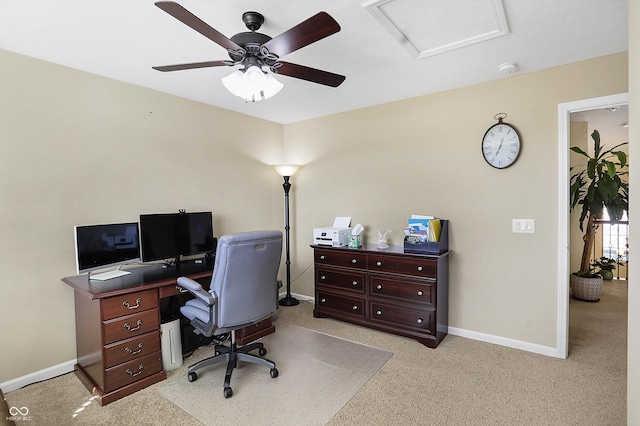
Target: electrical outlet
[523, 226]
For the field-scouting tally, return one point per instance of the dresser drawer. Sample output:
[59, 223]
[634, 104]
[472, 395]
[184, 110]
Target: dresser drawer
[129, 372]
[130, 325]
[403, 316]
[345, 305]
[412, 291]
[423, 268]
[351, 281]
[133, 348]
[340, 258]
[117, 306]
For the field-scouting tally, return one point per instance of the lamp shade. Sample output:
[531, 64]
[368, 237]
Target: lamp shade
[286, 169]
[252, 84]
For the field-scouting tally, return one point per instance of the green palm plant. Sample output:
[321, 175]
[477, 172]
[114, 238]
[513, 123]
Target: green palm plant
[597, 186]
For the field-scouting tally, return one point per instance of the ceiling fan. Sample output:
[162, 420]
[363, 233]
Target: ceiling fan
[257, 52]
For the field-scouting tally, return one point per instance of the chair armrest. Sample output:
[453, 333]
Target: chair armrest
[196, 289]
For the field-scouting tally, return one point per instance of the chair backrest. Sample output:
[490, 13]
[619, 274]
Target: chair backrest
[245, 276]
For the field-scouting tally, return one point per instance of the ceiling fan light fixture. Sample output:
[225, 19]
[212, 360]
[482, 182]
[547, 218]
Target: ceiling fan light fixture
[252, 84]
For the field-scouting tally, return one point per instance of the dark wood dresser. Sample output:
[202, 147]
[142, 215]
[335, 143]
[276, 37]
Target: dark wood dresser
[385, 289]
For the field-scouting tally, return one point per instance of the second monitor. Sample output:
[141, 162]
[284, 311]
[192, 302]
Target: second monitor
[168, 236]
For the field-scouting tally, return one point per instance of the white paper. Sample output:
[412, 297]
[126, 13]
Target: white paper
[342, 222]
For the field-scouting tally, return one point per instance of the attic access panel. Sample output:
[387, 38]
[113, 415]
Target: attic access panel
[430, 27]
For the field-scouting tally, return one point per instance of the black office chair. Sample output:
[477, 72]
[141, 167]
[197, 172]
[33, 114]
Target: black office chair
[243, 292]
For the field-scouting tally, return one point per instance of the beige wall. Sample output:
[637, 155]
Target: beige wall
[378, 165]
[422, 155]
[78, 149]
[633, 340]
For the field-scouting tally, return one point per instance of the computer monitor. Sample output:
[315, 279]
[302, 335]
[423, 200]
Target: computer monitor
[104, 246]
[169, 236]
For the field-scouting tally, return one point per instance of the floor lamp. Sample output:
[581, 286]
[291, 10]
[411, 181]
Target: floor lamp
[286, 171]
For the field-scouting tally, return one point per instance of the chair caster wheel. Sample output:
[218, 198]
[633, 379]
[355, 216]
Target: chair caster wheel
[192, 377]
[228, 392]
[262, 351]
[274, 373]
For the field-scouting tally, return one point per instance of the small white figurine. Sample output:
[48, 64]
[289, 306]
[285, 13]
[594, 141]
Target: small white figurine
[382, 239]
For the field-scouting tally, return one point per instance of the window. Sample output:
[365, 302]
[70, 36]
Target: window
[615, 237]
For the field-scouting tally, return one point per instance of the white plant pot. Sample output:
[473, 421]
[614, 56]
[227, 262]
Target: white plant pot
[587, 289]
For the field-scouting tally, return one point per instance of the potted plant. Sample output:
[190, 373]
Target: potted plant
[606, 267]
[595, 187]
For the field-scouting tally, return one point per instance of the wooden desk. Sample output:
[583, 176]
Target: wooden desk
[118, 327]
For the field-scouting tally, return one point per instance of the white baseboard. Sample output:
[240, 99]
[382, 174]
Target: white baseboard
[38, 376]
[504, 341]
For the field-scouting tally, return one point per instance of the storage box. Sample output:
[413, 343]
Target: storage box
[430, 247]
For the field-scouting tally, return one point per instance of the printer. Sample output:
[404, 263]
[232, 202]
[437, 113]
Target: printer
[333, 236]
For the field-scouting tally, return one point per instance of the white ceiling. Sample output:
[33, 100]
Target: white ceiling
[123, 39]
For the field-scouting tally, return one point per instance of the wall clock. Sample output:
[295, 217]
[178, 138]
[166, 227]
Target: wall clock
[501, 144]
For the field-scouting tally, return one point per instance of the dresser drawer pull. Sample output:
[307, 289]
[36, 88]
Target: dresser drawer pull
[323, 300]
[181, 290]
[379, 313]
[419, 321]
[131, 352]
[354, 261]
[419, 268]
[355, 307]
[137, 305]
[355, 283]
[128, 327]
[419, 292]
[378, 263]
[322, 277]
[132, 374]
[322, 257]
[379, 287]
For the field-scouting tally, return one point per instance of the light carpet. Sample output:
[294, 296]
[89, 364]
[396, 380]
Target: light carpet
[319, 374]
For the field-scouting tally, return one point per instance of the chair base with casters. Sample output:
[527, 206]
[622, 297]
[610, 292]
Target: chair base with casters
[231, 355]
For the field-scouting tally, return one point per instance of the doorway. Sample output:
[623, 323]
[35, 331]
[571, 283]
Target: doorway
[564, 124]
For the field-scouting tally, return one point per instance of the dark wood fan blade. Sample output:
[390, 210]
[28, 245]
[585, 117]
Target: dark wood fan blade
[313, 29]
[310, 74]
[191, 66]
[188, 18]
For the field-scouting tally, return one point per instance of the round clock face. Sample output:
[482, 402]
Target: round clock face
[501, 145]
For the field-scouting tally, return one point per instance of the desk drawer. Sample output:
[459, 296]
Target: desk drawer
[423, 268]
[129, 349]
[403, 317]
[132, 371]
[125, 304]
[347, 306]
[131, 325]
[412, 291]
[345, 280]
[340, 258]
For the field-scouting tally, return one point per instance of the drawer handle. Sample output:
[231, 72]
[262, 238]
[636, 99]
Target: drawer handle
[131, 352]
[419, 321]
[354, 261]
[378, 263]
[379, 287]
[322, 277]
[322, 257]
[181, 290]
[323, 300]
[132, 374]
[355, 307]
[379, 313]
[355, 283]
[128, 327]
[419, 268]
[419, 292]
[137, 305]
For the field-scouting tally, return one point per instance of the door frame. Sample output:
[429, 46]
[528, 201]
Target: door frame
[564, 124]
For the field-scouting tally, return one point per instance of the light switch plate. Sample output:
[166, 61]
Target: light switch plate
[524, 226]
